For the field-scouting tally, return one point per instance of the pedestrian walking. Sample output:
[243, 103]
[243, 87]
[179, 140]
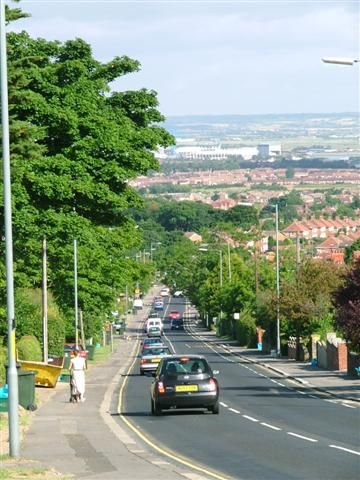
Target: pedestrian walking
[77, 377]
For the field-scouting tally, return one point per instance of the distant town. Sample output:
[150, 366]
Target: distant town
[229, 161]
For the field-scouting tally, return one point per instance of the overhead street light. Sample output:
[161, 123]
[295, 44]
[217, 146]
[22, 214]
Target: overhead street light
[340, 60]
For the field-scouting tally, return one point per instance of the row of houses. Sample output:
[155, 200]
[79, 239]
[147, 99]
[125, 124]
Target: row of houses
[321, 228]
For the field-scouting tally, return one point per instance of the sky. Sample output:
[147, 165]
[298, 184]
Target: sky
[219, 57]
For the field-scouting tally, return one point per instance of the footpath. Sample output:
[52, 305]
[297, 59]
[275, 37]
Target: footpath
[89, 440]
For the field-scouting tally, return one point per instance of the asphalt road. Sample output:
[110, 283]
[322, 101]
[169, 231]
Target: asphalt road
[268, 428]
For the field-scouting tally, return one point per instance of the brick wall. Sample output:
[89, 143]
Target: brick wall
[336, 356]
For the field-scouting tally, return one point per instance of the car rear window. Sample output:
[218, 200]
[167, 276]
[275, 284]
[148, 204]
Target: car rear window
[186, 366]
[157, 351]
[151, 341]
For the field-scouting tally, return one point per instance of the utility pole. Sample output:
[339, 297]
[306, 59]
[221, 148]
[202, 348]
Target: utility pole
[76, 294]
[44, 303]
[278, 350]
[229, 261]
[12, 376]
[297, 250]
[221, 271]
[82, 333]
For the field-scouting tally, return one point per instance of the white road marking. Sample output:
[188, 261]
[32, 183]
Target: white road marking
[233, 410]
[281, 384]
[186, 345]
[172, 346]
[301, 436]
[348, 406]
[345, 449]
[223, 404]
[250, 418]
[270, 426]
[302, 393]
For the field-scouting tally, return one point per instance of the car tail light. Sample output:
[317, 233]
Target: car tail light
[160, 387]
[142, 361]
[212, 385]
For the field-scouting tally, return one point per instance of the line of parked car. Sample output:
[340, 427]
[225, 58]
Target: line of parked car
[180, 381]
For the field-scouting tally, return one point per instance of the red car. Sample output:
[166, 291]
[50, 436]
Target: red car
[174, 315]
[70, 347]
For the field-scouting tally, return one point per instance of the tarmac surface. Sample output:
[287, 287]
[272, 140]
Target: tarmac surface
[89, 441]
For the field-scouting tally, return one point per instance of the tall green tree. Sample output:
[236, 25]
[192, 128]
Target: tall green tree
[75, 144]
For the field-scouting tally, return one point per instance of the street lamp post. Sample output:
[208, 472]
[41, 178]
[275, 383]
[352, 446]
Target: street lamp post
[229, 261]
[278, 351]
[76, 294]
[153, 248]
[12, 376]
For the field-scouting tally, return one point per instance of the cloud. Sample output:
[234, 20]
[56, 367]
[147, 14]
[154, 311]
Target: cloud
[221, 55]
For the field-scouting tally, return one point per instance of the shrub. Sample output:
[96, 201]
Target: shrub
[29, 348]
[245, 329]
[29, 319]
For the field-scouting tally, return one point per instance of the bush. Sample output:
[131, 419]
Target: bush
[29, 348]
[29, 319]
[245, 329]
[56, 330]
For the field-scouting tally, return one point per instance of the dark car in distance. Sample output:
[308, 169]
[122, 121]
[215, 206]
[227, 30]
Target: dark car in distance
[184, 381]
[177, 324]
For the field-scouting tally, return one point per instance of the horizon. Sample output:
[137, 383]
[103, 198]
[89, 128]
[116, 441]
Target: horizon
[357, 113]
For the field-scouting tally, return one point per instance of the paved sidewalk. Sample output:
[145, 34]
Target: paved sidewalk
[335, 383]
[88, 440]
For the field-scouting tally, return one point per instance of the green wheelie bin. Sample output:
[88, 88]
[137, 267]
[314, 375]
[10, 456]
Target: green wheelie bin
[26, 388]
[91, 351]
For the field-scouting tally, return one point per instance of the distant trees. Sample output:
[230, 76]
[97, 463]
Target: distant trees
[350, 250]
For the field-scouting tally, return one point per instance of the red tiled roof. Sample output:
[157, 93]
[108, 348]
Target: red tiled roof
[328, 243]
[295, 227]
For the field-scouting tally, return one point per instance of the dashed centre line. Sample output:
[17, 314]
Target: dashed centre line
[302, 437]
[234, 410]
[250, 418]
[270, 426]
[345, 449]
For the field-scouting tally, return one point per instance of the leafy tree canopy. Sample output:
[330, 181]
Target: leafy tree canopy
[75, 144]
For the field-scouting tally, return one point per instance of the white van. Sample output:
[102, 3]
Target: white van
[138, 304]
[154, 322]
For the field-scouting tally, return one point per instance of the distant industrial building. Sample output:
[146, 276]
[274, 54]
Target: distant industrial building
[265, 150]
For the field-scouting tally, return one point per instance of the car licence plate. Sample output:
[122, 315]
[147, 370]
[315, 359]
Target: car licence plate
[155, 360]
[186, 388]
